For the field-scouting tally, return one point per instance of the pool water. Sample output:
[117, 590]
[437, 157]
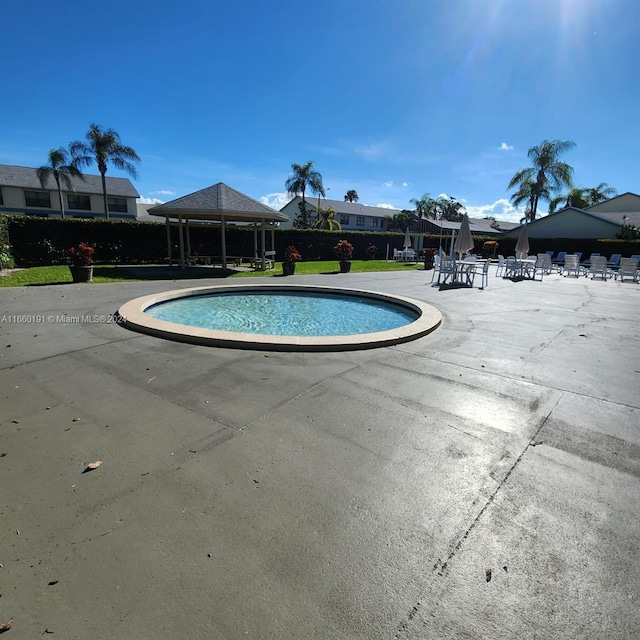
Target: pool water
[285, 314]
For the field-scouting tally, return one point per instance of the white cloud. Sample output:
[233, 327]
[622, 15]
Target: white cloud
[371, 151]
[150, 200]
[386, 206]
[388, 184]
[276, 200]
[406, 184]
[163, 192]
[506, 147]
[500, 210]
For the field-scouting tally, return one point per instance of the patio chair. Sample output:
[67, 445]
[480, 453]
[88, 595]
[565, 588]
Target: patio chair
[531, 271]
[510, 267]
[593, 255]
[558, 261]
[447, 270]
[501, 264]
[571, 266]
[482, 271]
[598, 267]
[436, 266]
[614, 260]
[628, 268]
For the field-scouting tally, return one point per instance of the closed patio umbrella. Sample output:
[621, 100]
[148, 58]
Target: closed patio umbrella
[407, 239]
[522, 246]
[464, 241]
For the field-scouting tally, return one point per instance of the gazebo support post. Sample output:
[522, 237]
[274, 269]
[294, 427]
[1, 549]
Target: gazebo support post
[188, 233]
[263, 243]
[168, 225]
[255, 242]
[223, 240]
[181, 238]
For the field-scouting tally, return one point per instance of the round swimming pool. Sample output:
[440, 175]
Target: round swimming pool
[282, 317]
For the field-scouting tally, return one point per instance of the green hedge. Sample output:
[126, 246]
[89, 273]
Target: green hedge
[35, 241]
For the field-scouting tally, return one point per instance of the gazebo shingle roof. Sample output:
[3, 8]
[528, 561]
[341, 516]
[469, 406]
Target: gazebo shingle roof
[218, 200]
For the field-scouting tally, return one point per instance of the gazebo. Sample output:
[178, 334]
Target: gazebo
[218, 205]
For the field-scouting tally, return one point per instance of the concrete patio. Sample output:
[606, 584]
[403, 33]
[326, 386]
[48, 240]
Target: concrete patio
[479, 482]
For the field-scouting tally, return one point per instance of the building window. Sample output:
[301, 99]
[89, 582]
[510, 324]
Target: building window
[344, 219]
[360, 221]
[118, 205]
[1, 198]
[37, 199]
[81, 203]
[374, 222]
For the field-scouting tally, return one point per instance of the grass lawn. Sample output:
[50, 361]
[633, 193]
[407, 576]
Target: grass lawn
[60, 274]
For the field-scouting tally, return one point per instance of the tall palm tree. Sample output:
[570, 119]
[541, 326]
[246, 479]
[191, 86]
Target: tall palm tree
[547, 174]
[450, 209]
[400, 221]
[327, 220]
[304, 177]
[426, 207]
[104, 147]
[526, 194]
[600, 193]
[576, 197]
[351, 196]
[62, 166]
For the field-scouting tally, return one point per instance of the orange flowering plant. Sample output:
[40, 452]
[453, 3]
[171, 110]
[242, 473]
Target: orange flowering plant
[344, 250]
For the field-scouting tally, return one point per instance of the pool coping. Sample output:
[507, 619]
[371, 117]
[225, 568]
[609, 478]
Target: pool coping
[132, 315]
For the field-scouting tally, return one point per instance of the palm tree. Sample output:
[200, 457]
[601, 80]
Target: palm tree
[326, 220]
[304, 177]
[104, 147]
[450, 208]
[400, 221]
[351, 196]
[547, 174]
[600, 193]
[527, 194]
[426, 207]
[576, 197]
[62, 167]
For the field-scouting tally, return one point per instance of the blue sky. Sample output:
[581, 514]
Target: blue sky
[392, 98]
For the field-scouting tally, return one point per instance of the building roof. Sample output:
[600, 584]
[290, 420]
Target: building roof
[216, 202]
[27, 178]
[347, 208]
[478, 226]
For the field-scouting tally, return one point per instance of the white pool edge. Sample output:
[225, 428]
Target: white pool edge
[132, 315]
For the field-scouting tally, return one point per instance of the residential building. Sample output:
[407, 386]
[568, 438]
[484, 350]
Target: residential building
[21, 193]
[352, 216]
[599, 221]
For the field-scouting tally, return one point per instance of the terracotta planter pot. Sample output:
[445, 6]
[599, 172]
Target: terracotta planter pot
[81, 274]
[288, 268]
[345, 266]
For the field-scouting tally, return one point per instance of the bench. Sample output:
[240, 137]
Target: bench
[269, 260]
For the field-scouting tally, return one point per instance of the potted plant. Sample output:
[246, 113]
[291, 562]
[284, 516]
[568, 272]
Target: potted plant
[344, 251]
[371, 251]
[428, 255]
[81, 266]
[489, 249]
[291, 256]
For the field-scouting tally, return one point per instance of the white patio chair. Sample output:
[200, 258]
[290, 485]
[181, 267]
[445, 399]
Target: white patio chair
[598, 267]
[628, 268]
[510, 267]
[483, 271]
[447, 270]
[531, 270]
[501, 265]
[572, 266]
[436, 266]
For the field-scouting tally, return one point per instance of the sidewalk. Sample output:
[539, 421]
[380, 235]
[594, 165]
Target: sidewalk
[480, 482]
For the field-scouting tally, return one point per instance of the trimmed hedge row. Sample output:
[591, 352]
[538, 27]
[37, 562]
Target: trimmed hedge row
[38, 241]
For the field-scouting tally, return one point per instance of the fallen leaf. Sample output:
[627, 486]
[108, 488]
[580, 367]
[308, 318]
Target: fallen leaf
[92, 465]
[6, 626]
[76, 420]
[487, 574]
[15, 421]
[67, 428]
[52, 582]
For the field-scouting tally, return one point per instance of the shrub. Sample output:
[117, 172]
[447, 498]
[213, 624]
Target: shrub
[344, 250]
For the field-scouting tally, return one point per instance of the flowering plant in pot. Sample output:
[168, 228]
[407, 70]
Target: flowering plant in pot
[344, 251]
[81, 266]
[291, 256]
[429, 256]
[371, 251]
